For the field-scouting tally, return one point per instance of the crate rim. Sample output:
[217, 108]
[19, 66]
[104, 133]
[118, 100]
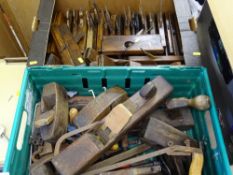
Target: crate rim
[67, 67]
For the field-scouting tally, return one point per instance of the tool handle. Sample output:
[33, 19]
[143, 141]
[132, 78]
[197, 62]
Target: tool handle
[196, 164]
[200, 102]
[177, 103]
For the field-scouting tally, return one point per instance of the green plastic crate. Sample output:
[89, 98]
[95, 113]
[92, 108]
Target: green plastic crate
[187, 81]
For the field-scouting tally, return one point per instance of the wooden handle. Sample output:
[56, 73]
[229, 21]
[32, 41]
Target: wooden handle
[196, 164]
[200, 102]
[177, 103]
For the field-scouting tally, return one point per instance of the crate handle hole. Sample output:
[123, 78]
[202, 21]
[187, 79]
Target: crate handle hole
[146, 80]
[85, 82]
[210, 129]
[104, 82]
[127, 83]
[22, 131]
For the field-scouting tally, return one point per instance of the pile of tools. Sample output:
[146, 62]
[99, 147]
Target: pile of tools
[98, 38]
[114, 133]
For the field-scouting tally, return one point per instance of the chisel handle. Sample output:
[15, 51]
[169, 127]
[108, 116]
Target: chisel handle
[196, 164]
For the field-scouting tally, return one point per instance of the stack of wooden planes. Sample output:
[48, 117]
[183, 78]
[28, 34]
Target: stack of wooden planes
[97, 37]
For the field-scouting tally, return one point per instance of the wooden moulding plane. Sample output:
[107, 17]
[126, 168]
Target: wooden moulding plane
[131, 44]
[52, 119]
[66, 45]
[99, 107]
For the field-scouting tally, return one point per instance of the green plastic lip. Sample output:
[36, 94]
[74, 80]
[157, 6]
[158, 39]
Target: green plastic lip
[220, 157]
[217, 128]
[16, 124]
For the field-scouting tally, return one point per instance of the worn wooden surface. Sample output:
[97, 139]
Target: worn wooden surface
[68, 49]
[79, 101]
[116, 44]
[53, 96]
[100, 106]
[160, 133]
[180, 118]
[78, 154]
[139, 108]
